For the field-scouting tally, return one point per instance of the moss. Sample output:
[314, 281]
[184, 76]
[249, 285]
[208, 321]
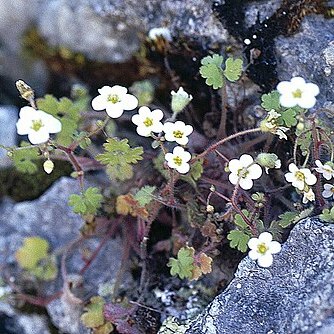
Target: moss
[22, 187]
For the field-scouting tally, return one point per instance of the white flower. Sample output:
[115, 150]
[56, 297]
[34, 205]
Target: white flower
[148, 121]
[308, 196]
[178, 132]
[297, 92]
[180, 100]
[37, 124]
[328, 190]
[300, 178]
[326, 170]
[262, 248]
[114, 100]
[155, 33]
[179, 160]
[244, 171]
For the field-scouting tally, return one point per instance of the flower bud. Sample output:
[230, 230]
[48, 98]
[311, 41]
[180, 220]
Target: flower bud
[25, 90]
[180, 100]
[268, 160]
[48, 166]
[210, 208]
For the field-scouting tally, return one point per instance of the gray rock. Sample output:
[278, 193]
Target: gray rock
[108, 30]
[294, 295]
[8, 118]
[13, 321]
[309, 54]
[51, 218]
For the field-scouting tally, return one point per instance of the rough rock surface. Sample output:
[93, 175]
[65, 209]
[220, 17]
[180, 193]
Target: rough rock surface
[51, 218]
[294, 295]
[8, 117]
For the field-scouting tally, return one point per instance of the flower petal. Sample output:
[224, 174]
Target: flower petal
[265, 237]
[253, 243]
[105, 90]
[254, 255]
[53, 124]
[23, 127]
[287, 101]
[118, 90]
[297, 82]
[246, 183]
[307, 101]
[246, 160]
[114, 110]
[265, 261]
[129, 102]
[275, 247]
[38, 137]
[255, 171]
[184, 168]
[233, 178]
[99, 102]
[284, 87]
[234, 165]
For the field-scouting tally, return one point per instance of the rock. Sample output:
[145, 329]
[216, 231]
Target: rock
[8, 118]
[111, 27]
[294, 295]
[309, 54]
[51, 218]
[15, 322]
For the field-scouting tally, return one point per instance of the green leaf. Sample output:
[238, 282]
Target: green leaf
[238, 239]
[86, 203]
[327, 215]
[184, 264]
[145, 195]
[304, 142]
[289, 117]
[211, 71]
[23, 158]
[271, 101]
[118, 157]
[287, 218]
[93, 317]
[34, 249]
[47, 270]
[233, 69]
[239, 220]
[158, 164]
[67, 111]
[214, 59]
[194, 174]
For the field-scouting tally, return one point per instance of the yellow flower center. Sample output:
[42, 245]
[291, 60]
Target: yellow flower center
[243, 172]
[178, 134]
[37, 125]
[262, 248]
[300, 176]
[297, 94]
[148, 122]
[178, 161]
[332, 190]
[113, 98]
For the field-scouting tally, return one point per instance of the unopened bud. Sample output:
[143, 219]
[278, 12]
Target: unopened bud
[180, 100]
[48, 166]
[25, 90]
[210, 209]
[268, 160]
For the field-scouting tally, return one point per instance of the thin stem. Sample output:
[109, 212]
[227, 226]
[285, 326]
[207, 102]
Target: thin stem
[224, 140]
[222, 126]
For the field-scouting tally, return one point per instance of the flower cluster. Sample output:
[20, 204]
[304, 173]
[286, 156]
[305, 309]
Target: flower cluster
[302, 179]
[116, 99]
